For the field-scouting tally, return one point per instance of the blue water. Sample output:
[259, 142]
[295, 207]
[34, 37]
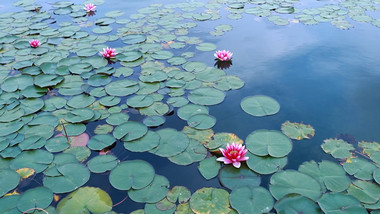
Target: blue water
[322, 76]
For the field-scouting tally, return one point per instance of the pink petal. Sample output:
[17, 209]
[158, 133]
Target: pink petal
[236, 164]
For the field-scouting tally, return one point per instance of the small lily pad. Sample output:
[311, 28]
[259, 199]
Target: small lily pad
[233, 178]
[268, 142]
[102, 163]
[210, 200]
[260, 105]
[337, 148]
[254, 200]
[152, 193]
[297, 131]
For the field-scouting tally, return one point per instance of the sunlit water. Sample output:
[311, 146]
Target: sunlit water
[322, 76]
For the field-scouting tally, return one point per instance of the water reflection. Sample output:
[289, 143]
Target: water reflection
[223, 64]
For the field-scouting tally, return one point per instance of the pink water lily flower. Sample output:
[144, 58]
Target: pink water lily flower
[234, 153]
[223, 55]
[89, 7]
[34, 43]
[108, 52]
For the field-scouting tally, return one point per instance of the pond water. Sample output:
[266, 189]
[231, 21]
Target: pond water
[317, 60]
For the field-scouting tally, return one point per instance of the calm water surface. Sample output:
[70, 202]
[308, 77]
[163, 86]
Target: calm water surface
[322, 76]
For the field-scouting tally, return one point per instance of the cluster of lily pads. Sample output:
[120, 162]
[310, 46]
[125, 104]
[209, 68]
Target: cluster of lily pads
[51, 91]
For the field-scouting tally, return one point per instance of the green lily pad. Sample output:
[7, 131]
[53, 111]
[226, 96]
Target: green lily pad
[122, 88]
[130, 130]
[47, 80]
[229, 82]
[329, 174]
[201, 121]
[102, 163]
[290, 181]
[189, 110]
[172, 142]
[81, 101]
[101, 141]
[179, 193]
[72, 176]
[57, 144]
[86, 200]
[9, 180]
[81, 153]
[154, 121]
[265, 164]
[205, 47]
[360, 168]
[40, 197]
[268, 142]
[206, 96]
[143, 144]
[135, 174]
[36, 159]
[364, 191]
[131, 39]
[210, 200]
[376, 175]
[297, 131]
[248, 199]
[140, 101]
[9, 204]
[294, 203]
[104, 129]
[337, 148]
[209, 167]
[194, 152]
[336, 203]
[117, 118]
[233, 178]
[260, 105]
[152, 193]
[79, 115]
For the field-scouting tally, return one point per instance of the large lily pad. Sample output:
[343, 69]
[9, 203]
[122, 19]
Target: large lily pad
[172, 142]
[253, 200]
[290, 181]
[268, 142]
[339, 203]
[135, 174]
[72, 176]
[102, 163]
[40, 197]
[86, 200]
[329, 174]
[364, 191]
[233, 178]
[101, 141]
[360, 168]
[210, 200]
[266, 164]
[206, 96]
[9, 180]
[193, 153]
[130, 130]
[36, 159]
[209, 167]
[260, 105]
[294, 203]
[152, 193]
[337, 148]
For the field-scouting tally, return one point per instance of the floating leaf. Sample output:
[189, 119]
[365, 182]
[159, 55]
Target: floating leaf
[297, 131]
[290, 181]
[36, 159]
[248, 199]
[201, 121]
[233, 178]
[209, 167]
[328, 174]
[260, 105]
[130, 130]
[268, 142]
[340, 203]
[265, 164]
[206, 96]
[143, 144]
[40, 197]
[152, 193]
[364, 191]
[294, 203]
[135, 174]
[179, 193]
[9, 180]
[189, 110]
[337, 148]
[202, 136]
[360, 168]
[102, 163]
[86, 200]
[210, 200]
[171, 143]
[101, 141]
[193, 153]
[220, 140]
[72, 176]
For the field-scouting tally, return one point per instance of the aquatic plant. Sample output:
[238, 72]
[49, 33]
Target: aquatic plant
[108, 52]
[34, 43]
[234, 153]
[89, 7]
[223, 55]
